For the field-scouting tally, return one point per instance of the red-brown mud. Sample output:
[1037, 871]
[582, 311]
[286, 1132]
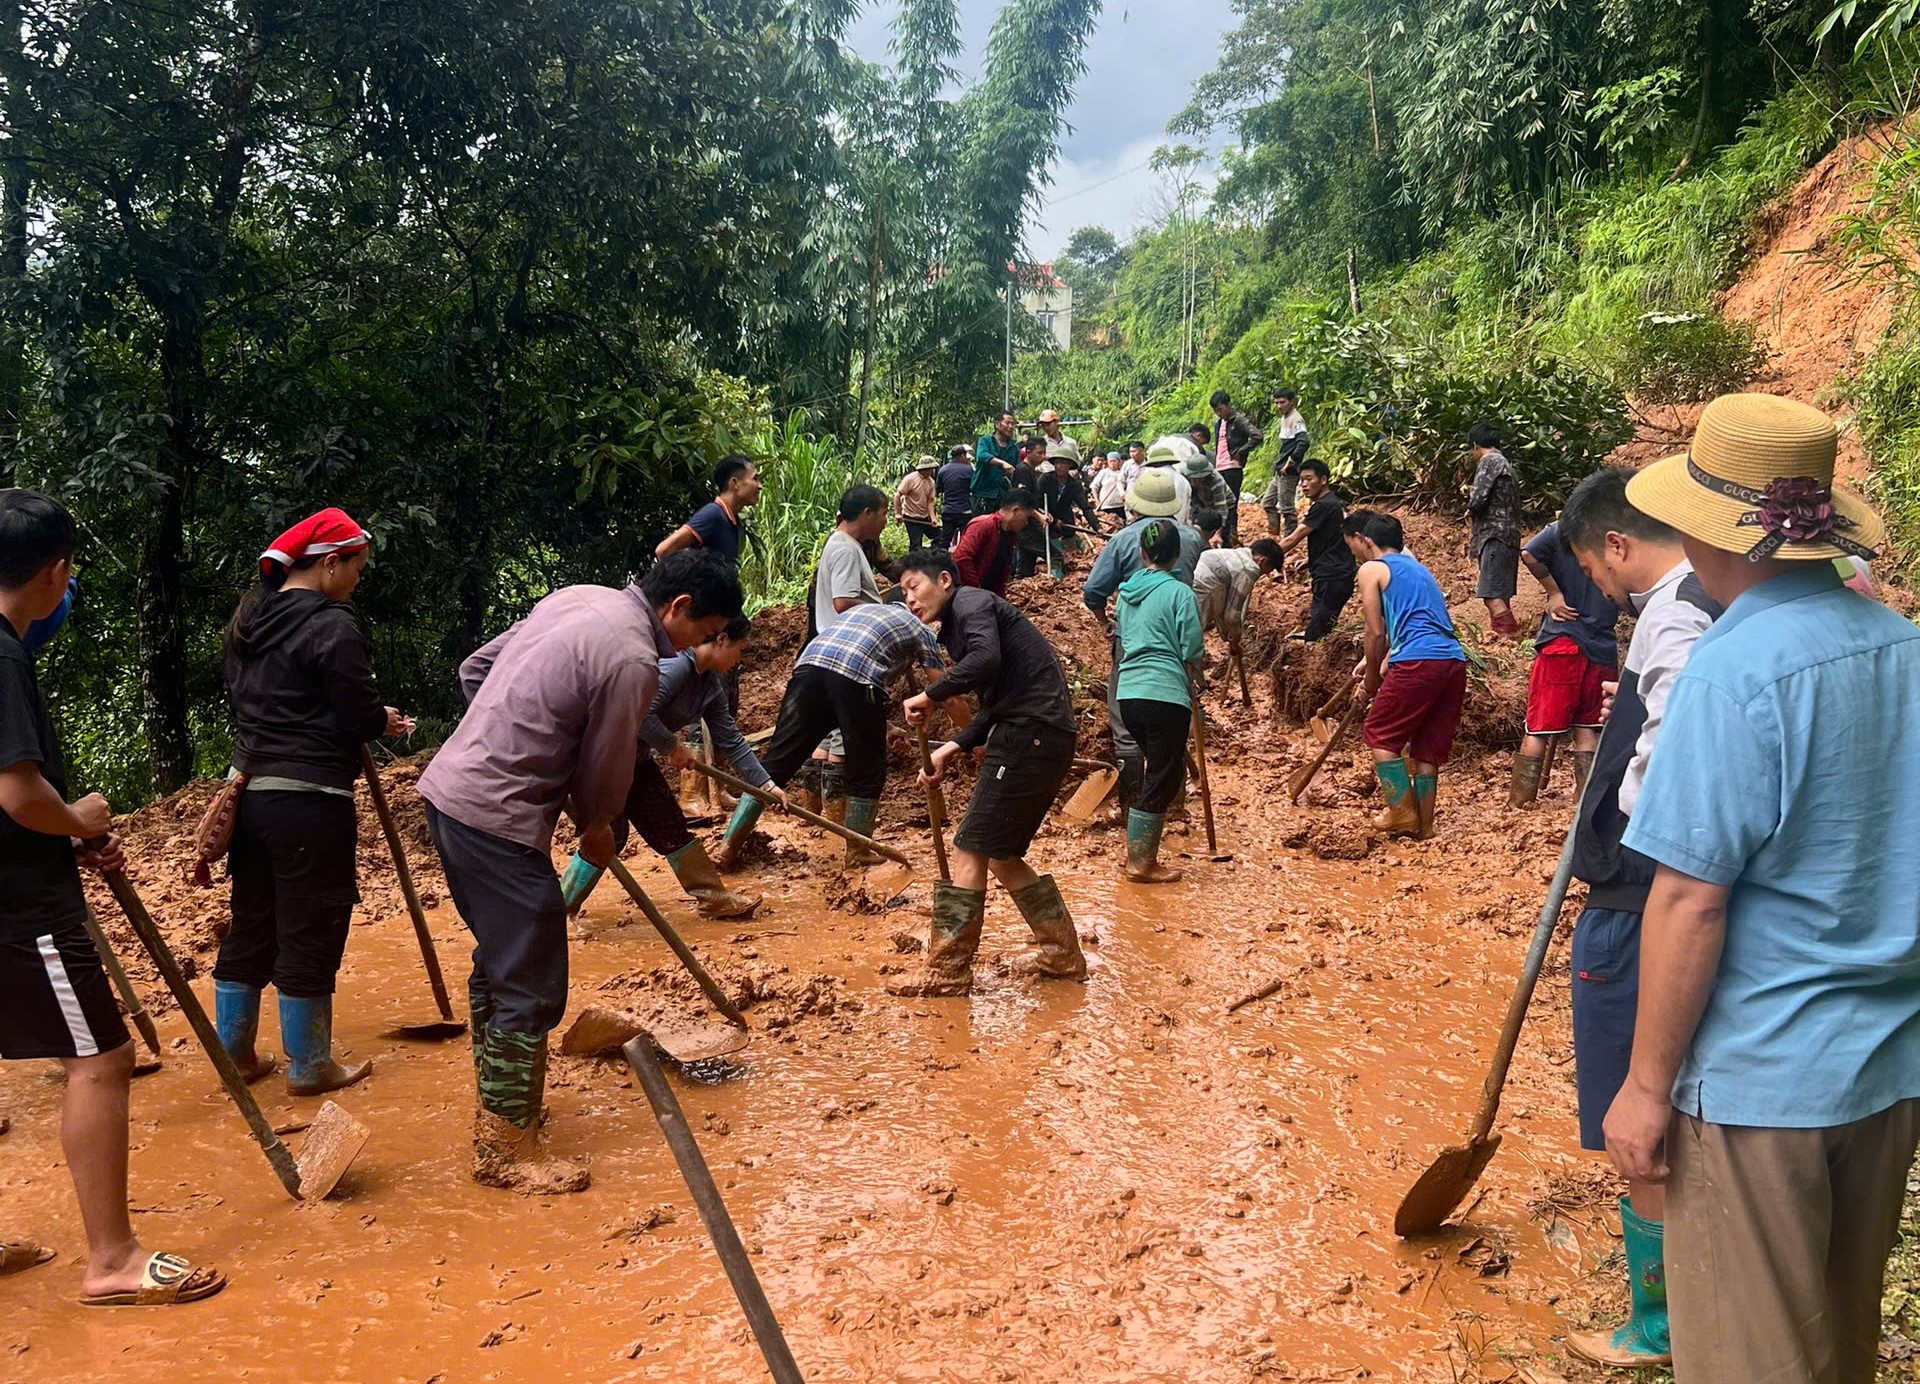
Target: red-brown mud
[1115, 1181]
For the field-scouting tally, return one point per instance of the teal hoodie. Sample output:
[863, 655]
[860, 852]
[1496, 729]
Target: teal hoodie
[1159, 625]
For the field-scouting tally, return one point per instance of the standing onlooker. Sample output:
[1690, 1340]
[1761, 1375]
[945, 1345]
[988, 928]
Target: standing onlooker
[1329, 559]
[716, 526]
[1159, 649]
[55, 1002]
[1291, 429]
[299, 678]
[1056, 440]
[1234, 437]
[994, 457]
[1775, 1080]
[1493, 502]
[1575, 655]
[955, 481]
[1030, 543]
[913, 503]
[1110, 493]
[1631, 558]
[842, 579]
[1136, 461]
[1414, 673]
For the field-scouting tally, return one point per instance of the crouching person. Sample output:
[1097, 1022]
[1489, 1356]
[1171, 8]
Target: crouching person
[554, 711]
[1026, 724]
[693, 690]
[840, 683]
[300, 681]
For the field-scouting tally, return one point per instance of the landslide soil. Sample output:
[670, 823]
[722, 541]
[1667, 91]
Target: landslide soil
[1115, 1181]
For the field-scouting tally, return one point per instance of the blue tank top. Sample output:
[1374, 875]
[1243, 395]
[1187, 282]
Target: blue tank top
[1418, 626]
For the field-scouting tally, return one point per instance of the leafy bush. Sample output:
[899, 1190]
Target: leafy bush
[1674, 356]
[804, 479]
[1887, 395]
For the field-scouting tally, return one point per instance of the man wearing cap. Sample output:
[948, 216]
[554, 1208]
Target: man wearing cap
[1057, 441]
[994, 457]
[954, 481]
[913, 503]
[1234, 437]
[1151, 497]
[1775, 1080]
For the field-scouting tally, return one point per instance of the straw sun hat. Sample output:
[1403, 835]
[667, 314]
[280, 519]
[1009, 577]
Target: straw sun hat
[1153, 495]
[1758, 481]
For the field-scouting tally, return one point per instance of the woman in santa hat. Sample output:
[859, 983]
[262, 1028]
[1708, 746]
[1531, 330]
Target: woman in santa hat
[300, 683]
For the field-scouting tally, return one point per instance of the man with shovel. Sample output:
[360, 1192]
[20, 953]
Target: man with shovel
[693, 691]
[55, 1001]
[554, 708]
[1025, 724]
[1629, 557]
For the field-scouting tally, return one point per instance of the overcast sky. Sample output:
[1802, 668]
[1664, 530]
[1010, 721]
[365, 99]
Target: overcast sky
[1141, 65]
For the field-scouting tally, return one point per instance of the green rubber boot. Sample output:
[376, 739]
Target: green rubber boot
[1642, 1341]
[1402, 817]
[578, 880]
[1426, 790]
[1144, 830]
[506, 1120]
[1060, 957]
[745, 814]
[861, 813]
[958, 915]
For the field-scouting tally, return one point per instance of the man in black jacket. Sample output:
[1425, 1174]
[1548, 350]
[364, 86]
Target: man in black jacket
[1065, 498]
[1025, 723]
[1631, 558]
[1234, 437]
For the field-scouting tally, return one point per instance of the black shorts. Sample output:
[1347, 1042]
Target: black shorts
[1499, 571]
[54, 997]
[1018, 782]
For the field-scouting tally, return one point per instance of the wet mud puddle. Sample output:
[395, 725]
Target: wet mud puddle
[1052, 1182]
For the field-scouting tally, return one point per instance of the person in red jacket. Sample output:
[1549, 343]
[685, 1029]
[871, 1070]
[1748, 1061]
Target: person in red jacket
[984, 554]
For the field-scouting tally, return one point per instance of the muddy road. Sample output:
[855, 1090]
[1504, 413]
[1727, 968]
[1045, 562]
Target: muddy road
[1109, 1182]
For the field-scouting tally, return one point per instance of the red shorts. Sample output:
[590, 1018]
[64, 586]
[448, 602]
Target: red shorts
[1417, 708]
[1564, 689]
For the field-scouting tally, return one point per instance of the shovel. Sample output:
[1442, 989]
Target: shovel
[713, 1211]
[889, 881]
[446, 1026]
[333, 1139]
[1085, 803]
[129, 996]
[1298, 783]
[1200, 759]
[701, 1041]
[600, 1028]
[1443, 1186]
[1319, 723]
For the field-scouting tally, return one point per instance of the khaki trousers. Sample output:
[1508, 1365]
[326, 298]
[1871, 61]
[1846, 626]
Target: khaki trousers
[1776, 1247]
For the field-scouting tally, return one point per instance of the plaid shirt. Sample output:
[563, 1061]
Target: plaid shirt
[870, 642]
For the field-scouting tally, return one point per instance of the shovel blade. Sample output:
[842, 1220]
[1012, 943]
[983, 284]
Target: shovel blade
[1085, 802]
[598, 1029]
[333, 1141]
[1322, 729]
[601, 1030]
[889, 880]
[697, 1041]
[1443, 1186]
[436, 1031]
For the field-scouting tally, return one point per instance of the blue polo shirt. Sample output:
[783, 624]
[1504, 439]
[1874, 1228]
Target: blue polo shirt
[1788, 769]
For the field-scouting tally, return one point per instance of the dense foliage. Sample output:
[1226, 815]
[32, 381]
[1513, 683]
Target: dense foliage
[504, 280]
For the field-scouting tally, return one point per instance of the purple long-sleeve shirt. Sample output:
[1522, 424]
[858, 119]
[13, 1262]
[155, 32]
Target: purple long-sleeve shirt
[554, 707]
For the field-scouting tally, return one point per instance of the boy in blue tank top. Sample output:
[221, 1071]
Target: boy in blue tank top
[1414, 673]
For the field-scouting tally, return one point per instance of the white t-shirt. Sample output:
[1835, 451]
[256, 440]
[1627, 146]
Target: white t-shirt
[1109, 490]
[843, 574]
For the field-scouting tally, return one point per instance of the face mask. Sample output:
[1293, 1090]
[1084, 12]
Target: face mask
[40, 632]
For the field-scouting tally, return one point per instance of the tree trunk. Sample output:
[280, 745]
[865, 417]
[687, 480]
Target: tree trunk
[163, 565]
[16, 187]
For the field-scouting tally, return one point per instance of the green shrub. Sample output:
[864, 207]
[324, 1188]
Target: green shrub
[1887, 395]
[1675, 356]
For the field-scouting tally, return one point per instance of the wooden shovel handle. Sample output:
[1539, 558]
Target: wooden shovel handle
[811, 818]
[1299, 785]
[1200, 758]
[708, 986]
[391, 830]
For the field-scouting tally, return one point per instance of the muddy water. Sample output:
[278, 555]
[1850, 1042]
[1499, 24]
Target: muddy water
[1115, 1182]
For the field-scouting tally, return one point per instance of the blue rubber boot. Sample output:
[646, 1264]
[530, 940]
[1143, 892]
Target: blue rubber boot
[1642, 1341]
[306, 1031]
[578, 880]
[236, 1016]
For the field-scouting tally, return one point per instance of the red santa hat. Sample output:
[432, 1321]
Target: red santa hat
[329, 531]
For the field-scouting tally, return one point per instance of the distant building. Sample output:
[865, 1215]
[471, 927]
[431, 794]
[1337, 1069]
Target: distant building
[1047, 301]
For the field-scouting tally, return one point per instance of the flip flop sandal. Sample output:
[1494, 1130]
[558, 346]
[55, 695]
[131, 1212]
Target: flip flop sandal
[167, 1281]
[16, 1255]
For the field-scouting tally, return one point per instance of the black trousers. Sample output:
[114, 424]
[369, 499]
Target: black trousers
[1235, 477]
[951, 526]
[817, 701]
[294, 888]
[1160, 729]
[509, 898]
[1330, 597]
[653, 809]
[920, 533]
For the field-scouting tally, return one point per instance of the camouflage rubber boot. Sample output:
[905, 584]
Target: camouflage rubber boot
[506, 1121]
[958, 916]
[701, 880]
[480, 1007]
[1060, 957]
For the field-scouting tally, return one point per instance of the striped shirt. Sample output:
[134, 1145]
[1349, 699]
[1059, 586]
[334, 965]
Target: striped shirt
[870, 641]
